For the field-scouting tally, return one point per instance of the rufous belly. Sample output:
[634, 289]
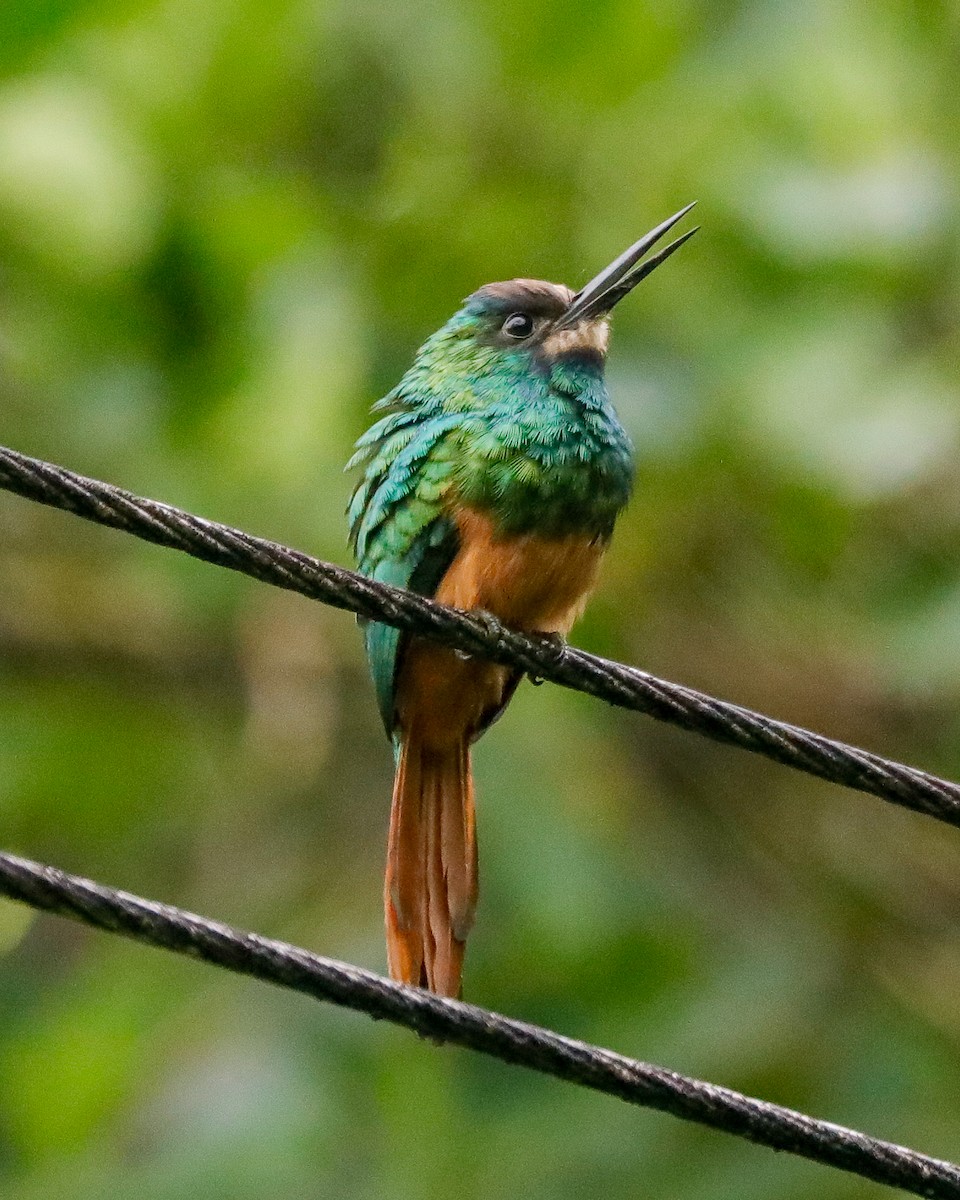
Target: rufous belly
[528, 582]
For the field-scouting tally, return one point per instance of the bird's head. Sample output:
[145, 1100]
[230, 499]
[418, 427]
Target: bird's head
[545, 325]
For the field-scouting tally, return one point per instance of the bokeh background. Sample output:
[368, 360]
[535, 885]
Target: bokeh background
[224, 227]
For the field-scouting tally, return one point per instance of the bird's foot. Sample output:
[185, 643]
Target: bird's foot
[490, 624]
[554, 642]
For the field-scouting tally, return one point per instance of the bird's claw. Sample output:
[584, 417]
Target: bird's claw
[490, 624]
[555, 643]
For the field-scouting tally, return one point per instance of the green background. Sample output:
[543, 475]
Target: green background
[224, 227]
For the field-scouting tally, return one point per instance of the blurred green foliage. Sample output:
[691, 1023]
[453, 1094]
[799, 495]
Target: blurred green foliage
[224, 227]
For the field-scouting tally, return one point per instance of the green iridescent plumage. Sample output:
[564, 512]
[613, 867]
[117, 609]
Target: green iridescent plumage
[523, 434]
[492, 478]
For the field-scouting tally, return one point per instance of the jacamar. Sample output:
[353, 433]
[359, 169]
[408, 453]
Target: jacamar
[492, 480]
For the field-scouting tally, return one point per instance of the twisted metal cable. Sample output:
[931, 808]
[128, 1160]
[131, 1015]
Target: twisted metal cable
[512, 1041]
[478, 1029]
[479, 634]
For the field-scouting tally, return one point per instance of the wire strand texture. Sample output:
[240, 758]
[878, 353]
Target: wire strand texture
[47, 888]
[478, 1029]
[479, 634]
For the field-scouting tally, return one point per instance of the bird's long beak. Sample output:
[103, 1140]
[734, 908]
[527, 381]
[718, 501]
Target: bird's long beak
[624, 273]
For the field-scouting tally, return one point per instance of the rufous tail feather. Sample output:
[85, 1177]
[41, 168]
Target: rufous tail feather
[430, 891]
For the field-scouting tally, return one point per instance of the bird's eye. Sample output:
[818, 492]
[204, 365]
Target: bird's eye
[518, 325]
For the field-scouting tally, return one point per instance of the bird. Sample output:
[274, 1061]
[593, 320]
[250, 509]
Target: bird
[491, 480]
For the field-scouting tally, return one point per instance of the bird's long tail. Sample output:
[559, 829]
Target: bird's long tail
[430, 891]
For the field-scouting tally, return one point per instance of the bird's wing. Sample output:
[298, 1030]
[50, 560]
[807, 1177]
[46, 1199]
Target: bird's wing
[399, 529]
[421, 571]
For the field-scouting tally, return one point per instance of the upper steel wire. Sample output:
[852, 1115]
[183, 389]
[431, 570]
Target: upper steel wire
[640, 1083]
[478, 634]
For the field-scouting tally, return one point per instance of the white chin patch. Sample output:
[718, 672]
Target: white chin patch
[587, 337]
